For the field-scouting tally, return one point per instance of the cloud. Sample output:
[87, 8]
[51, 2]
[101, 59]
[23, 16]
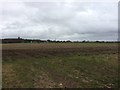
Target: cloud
[60, 20]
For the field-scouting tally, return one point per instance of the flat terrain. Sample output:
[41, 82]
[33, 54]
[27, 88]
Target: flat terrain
[50, 65]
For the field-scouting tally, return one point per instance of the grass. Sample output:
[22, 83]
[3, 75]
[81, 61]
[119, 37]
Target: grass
[85, 65]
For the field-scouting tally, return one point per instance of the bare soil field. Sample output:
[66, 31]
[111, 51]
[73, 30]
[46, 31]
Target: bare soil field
[60, 65]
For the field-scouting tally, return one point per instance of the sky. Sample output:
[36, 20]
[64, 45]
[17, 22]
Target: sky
[61, 20]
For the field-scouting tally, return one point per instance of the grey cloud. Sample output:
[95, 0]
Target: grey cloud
[50, 20]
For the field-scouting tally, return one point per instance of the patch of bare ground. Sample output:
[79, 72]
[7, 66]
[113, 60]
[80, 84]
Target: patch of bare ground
[68, 83]
[42, 80]
[58, 51]
[9, 77]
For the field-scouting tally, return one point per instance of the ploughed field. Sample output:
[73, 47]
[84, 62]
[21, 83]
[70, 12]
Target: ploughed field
[59, 65]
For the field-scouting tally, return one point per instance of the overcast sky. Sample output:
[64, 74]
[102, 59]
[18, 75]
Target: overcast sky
[60, 20]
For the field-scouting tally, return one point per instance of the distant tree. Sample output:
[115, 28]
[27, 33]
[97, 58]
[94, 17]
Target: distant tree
[19, 38]
[49, 40]
[83, 41]
[68, 41]
[97, 41]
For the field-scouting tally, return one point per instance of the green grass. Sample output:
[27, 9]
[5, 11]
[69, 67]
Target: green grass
[81, 71]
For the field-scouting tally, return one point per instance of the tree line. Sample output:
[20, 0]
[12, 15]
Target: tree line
[20, 40]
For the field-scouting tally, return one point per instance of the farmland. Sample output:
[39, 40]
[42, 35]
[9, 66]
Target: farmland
[59, 65]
